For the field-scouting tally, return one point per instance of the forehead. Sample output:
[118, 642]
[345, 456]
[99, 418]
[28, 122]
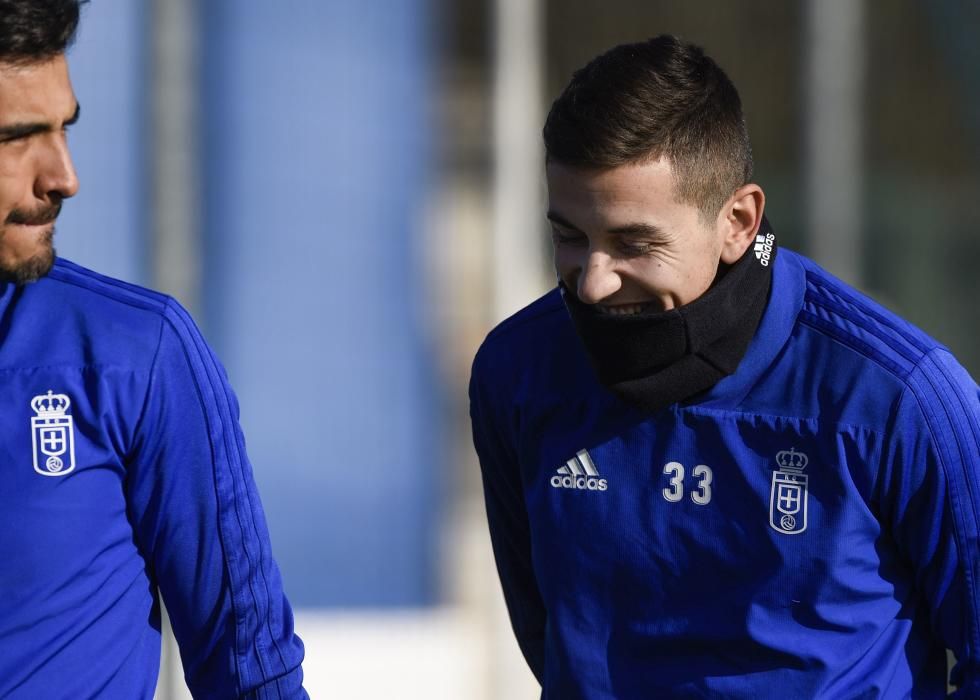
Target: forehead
[35, 92]
[634, 192]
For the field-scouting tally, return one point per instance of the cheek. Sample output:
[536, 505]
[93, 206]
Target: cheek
[707, 266]
[14, 163]
[11, 192]
[699, 276]
[655, 275]
[673, 282]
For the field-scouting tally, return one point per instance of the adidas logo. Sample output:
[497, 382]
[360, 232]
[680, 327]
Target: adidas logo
[763, 248]
[579, 473]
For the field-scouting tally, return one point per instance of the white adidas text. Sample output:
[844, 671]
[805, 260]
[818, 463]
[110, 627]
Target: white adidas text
[763, 248]
[580, 482]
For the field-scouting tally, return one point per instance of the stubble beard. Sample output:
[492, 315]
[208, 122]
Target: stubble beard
[36, 266]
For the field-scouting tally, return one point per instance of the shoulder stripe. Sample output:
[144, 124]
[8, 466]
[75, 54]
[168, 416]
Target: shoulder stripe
[259, 658]
[963, 423]
[855, 343]
[237, 526]
[846, 326]
[124, 292]
[825, 290]
[849, 315]
[952, 418]
[859, 324]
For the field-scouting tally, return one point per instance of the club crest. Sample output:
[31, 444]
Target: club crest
[52, 435]
[788, 495]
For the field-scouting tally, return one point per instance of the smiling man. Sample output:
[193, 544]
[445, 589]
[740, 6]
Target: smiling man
[123, 473]
[710, 468]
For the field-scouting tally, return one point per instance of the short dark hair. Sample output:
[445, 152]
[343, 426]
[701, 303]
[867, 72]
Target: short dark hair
[658, 98]
[36, 30]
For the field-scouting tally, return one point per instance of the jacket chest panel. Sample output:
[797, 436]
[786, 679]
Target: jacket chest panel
[683, 507]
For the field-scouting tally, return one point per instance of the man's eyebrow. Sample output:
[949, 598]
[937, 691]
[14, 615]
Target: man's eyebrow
[22, 129]
[561, 221]
[631, 230]
[640, 230]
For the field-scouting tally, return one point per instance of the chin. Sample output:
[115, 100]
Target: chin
[30, 270]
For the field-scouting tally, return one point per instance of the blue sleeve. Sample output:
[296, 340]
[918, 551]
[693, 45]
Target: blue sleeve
[509, 530]
[931, 501]
[202, 531]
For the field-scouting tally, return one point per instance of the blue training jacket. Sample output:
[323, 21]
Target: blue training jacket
[123, 472]
[805, 529]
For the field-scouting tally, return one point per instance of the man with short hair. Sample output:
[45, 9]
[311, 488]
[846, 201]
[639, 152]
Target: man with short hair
[710, 468]
[123, 468]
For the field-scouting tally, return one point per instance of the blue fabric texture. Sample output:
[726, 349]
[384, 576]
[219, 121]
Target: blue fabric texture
[124, 475]
[806, 528]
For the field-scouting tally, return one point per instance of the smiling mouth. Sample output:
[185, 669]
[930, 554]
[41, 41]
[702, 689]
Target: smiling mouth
[623, 309]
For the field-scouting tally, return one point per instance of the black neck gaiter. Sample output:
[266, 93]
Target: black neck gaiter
[654, 359]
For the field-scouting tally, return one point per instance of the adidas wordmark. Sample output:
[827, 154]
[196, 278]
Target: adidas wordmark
[579, 473]
[763, 248]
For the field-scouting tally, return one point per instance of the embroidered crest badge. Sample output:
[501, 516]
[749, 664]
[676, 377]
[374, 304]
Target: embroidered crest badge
[52, 435]
[788, 495]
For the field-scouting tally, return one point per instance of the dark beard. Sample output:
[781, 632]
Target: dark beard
[35, 267]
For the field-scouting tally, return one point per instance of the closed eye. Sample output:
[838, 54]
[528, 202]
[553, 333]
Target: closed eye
[640, 238]
[564, 237]
[19, 133]
[634, 249]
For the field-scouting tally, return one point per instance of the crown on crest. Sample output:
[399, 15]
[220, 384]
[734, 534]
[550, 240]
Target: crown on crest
[50, 404]
[792, 460]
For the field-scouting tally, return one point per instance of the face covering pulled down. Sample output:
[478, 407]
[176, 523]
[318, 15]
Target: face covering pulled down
[653, 359]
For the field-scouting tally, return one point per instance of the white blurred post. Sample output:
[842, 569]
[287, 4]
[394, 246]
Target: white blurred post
[518, 206]
[175, 252]
[519, 266]
[176, 255]
[834, 79]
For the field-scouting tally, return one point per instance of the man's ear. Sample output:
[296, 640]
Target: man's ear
[739, 220]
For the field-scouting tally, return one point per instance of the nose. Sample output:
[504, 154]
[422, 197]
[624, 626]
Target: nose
[56, 176]
[598, 278]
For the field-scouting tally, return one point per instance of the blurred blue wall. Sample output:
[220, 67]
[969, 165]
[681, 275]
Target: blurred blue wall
[316, 156]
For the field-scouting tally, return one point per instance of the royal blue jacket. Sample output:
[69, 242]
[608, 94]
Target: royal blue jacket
[123, 473]
[807, 528]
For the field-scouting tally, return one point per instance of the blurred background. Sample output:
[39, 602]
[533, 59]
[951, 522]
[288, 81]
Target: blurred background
[349, 195]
